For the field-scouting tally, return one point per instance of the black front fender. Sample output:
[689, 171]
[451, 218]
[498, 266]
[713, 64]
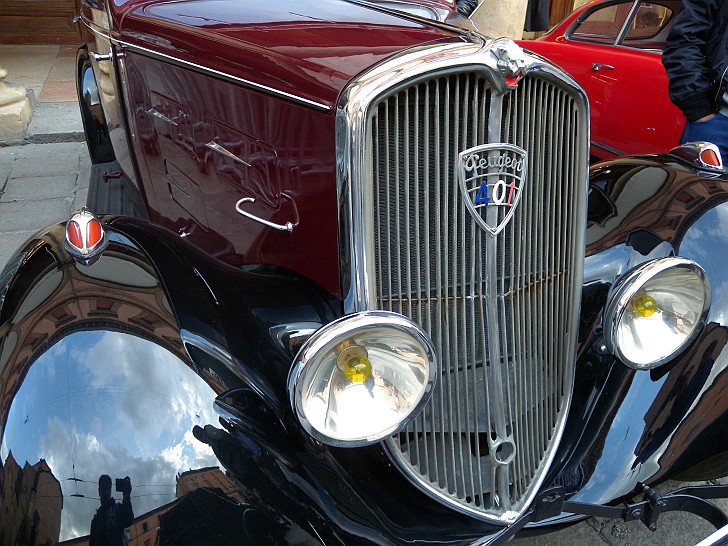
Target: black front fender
[629, 427]
[107, 370]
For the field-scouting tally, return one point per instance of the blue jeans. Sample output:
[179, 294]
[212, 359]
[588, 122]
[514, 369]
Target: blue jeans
[714, 130]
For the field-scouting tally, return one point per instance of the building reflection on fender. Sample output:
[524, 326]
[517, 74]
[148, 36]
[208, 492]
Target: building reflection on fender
[95, 381]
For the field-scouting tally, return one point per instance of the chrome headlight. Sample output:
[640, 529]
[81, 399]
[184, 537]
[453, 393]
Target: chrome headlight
[655, 311]
[361, 378]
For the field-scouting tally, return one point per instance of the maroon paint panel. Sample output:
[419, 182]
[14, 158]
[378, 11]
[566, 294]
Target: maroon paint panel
[179, 110]
[193, 190]
[308, 49]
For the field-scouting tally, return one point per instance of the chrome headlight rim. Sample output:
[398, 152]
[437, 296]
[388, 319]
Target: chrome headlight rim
[330, 336]
[629, 286]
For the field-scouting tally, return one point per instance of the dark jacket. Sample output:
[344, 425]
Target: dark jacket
[466, 7]
[107, 526]
[696, 57]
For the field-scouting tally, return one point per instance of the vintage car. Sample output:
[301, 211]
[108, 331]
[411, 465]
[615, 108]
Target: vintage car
[613, 49]
[345, 277]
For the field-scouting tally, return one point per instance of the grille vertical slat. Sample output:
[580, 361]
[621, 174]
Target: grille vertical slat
[504, 343]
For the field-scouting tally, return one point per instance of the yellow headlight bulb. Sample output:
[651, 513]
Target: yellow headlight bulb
[644, 305]
[354, 362]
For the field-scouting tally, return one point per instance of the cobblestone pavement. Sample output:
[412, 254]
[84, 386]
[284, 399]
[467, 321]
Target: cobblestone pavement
[39, 184]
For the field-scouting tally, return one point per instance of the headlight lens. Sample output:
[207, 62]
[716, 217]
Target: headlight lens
[655, 311]
[362, 378]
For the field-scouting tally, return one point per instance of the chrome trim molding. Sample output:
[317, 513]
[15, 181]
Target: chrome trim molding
[400, 213]
[96, 29]
[447, 20]
[134, 48]
[215, 147]
[155, 113]
[607, 148]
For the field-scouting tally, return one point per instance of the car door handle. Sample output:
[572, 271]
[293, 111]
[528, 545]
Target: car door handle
[288, 226]
[98, 57]
[596, 67]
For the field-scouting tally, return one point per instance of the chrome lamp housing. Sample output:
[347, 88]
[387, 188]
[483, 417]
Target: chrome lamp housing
[362, 378]
[655, 311]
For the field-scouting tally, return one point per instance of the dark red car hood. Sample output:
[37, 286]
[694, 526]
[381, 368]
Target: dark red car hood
[310, 49]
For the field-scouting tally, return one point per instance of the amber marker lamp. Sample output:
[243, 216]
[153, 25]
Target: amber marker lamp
[362, 378]
[85, 237]
[655, 311]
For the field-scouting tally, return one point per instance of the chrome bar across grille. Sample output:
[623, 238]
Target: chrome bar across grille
[501, 310]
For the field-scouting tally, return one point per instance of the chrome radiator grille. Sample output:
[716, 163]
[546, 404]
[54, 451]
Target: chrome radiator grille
[500, 310]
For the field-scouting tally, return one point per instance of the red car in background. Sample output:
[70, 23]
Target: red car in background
[613, 49]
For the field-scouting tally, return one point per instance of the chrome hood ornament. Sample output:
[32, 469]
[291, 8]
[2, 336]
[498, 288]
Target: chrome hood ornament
[511, 62]
[492, 179]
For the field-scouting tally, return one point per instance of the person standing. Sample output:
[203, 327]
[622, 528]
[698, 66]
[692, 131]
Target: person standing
[111, 518]
[696, 61]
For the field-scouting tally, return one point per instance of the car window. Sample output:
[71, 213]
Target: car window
[648, 23]
[603, 25]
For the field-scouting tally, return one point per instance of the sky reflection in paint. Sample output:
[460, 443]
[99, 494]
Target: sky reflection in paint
[104, 402]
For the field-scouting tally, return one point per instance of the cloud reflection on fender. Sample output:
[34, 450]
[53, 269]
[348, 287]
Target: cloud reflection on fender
[104, 402]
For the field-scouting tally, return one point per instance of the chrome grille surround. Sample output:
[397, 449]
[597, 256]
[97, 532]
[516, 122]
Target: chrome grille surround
[501, 310]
